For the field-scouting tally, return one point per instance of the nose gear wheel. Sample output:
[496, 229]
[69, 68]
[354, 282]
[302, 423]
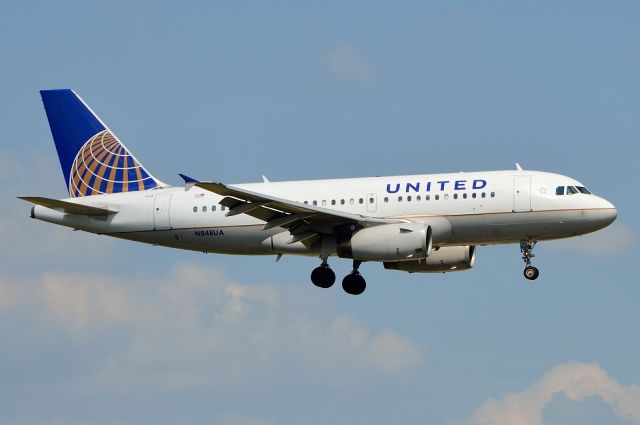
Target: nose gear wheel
[530, 272]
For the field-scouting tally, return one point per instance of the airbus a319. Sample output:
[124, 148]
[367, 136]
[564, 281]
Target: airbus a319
[429, 223]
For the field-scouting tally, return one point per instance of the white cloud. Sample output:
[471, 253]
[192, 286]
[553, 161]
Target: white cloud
[348, 61]
[196, 328]
[608, 242]
[576, 381]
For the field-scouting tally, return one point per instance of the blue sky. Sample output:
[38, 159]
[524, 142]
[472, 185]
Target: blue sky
[100, 331]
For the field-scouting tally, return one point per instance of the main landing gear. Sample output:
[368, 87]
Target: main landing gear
[530, 272]
[353, 283]
[323, 276]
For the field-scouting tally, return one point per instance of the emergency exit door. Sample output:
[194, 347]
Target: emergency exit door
[372, 203]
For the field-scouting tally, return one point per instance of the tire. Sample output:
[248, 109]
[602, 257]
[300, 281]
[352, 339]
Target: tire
[323, 277]
[531, 273]
[354, 284]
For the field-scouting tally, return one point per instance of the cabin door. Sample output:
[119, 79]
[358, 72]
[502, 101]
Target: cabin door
[161, 219]
[522, 194]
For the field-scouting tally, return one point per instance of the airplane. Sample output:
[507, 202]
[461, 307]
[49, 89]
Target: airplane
[429, 223]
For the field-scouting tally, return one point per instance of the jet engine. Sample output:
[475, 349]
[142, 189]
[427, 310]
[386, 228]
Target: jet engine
[397, 241]
[445, 259]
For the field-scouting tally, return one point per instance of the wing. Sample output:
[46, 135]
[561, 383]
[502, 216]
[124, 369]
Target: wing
[306, 223]
[67, 207]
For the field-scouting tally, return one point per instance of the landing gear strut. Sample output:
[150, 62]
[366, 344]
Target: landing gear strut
[354, 283]
[323, 276]
[526, 247]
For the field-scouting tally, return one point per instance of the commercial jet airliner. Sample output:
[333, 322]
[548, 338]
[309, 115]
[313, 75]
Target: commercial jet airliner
[418, 224]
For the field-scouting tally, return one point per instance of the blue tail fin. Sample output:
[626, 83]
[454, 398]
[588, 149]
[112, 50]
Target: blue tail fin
[93, 159]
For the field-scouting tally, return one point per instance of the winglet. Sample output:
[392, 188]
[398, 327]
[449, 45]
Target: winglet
[189, 182]
[188, 179]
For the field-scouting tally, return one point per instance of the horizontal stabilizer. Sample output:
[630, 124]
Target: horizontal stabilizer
[67, 207]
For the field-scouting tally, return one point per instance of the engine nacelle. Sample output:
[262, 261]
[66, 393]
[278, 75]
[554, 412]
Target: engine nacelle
[445, 259]
[398, 241]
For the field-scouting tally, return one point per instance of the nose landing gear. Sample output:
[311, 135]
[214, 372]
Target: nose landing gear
[530, 272]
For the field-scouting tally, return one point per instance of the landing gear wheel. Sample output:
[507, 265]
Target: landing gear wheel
[354, 284]
[526, 248]
[531, 272]
[323, 277]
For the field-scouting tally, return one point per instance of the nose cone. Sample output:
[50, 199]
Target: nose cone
[611, 211]
[607, 212]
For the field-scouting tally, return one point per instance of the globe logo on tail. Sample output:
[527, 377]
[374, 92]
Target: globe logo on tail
[104, 165]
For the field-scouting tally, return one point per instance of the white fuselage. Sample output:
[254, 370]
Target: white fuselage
[482, 208]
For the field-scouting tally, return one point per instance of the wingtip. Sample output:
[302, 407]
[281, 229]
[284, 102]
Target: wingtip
[188, 179]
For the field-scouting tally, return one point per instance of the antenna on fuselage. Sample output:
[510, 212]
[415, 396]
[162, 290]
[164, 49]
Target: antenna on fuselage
[518, 167]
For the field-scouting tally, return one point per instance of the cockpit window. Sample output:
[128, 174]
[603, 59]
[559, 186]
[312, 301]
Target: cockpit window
[560, 190]
[584, 190]
[571, 190]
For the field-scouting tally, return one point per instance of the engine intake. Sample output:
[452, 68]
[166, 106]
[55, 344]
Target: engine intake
[445, 259]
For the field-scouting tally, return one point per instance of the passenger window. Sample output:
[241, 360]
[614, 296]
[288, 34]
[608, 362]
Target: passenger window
[324, 203]
[351, 201]
[213, 208]
[306, 202]
[195, 209]
[222, 208]
[484, 195]
[333, 202]
[437, 197]
[464, 196]
[427, 197]
[446, 196]
[409, 198]
[418, 198]
[204, 208]
[386, 199]
[341, 201]
[560, 190]
[493, 194]
[473, 195]
[315, 202]
[361, 201]
[399, 198]
[371, 200]
[455, 196]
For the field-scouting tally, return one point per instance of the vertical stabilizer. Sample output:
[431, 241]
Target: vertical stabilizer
[93, 159]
